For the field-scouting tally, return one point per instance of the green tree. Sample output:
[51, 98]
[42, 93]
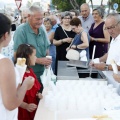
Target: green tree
[31, 2]
[91, 3]
[111, 3]
[115, 1]
[67, 4]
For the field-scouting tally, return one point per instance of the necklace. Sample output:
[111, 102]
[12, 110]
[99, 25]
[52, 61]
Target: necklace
[67, 28]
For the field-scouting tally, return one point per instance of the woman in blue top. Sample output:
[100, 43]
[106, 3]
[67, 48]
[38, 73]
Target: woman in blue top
[81, 40]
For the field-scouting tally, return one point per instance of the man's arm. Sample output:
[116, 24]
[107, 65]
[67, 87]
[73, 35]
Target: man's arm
[110, 67]
[103, 58]
[102, 66]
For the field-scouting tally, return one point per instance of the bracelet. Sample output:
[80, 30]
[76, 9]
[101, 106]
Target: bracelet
[106, 67]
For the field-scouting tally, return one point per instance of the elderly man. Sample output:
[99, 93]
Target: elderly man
[31, 32]
[86, 18]
[112, 25]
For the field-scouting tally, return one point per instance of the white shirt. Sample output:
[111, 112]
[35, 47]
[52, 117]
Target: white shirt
[114, 51]
[4, 113]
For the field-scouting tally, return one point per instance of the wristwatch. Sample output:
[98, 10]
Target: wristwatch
[106, 68]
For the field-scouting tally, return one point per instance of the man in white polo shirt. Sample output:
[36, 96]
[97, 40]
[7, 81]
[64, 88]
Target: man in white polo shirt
[112, 25]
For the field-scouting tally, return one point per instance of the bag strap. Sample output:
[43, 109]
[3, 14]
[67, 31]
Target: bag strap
[71, 43]
[67, 36]
[65, 32]
[73, 39]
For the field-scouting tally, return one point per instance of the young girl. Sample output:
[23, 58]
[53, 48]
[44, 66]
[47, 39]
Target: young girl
[28, 108]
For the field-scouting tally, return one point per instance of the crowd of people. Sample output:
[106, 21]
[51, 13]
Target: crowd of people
[40, 34]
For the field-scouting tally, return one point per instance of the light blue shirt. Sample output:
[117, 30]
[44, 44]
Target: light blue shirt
[54, 27]
[86, 23]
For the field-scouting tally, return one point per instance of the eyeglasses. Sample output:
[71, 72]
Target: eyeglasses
[67, 18]
[112, 27]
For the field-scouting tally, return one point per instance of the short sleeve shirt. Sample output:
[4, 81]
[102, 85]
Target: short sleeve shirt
[25, 35]
[86, 23]
[114, 51]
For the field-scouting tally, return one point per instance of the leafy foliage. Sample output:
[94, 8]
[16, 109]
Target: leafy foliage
[65, 5]
[115, 1]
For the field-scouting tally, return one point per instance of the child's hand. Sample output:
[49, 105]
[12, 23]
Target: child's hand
[39, 95]
[31, 107]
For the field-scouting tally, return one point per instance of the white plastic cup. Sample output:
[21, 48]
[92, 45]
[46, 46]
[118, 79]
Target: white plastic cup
[48, 56]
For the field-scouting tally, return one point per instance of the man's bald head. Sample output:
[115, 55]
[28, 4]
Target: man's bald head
[112, 24]
[85, 10]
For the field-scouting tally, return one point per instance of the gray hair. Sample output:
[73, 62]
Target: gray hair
[100, 11]
[66, 13]
[116, 16]
[53, 17]
[35, 8]
[85, 4]
[48, 19]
